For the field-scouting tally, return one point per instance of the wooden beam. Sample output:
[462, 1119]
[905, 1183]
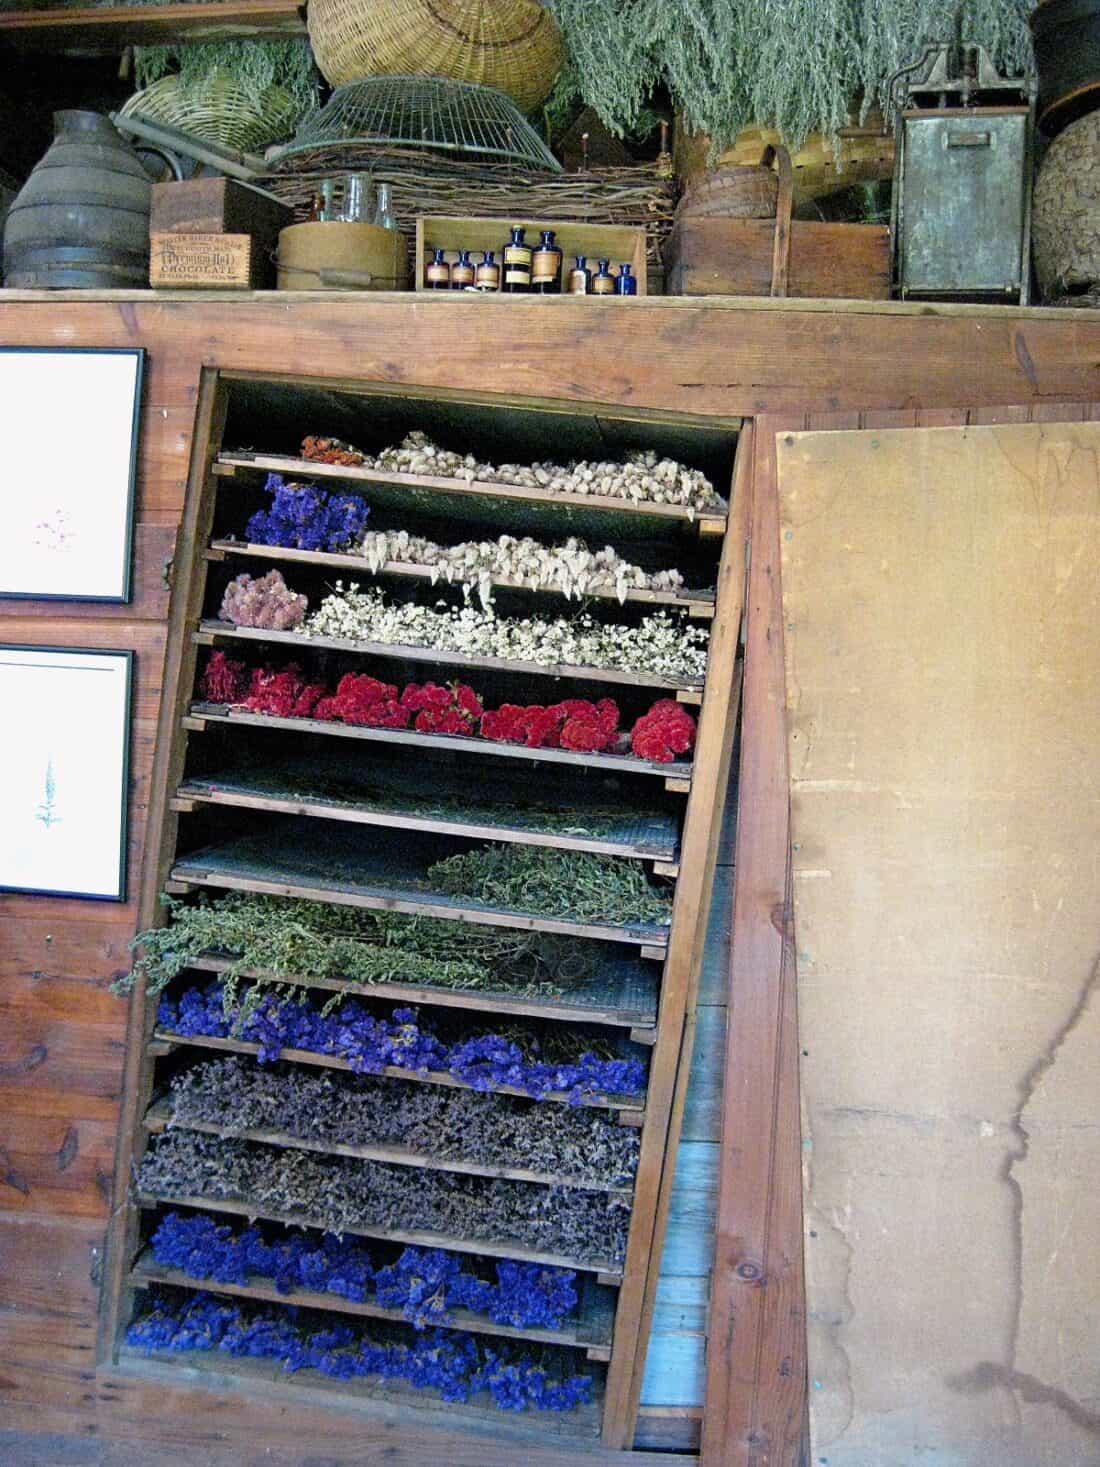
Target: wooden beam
[112, 30]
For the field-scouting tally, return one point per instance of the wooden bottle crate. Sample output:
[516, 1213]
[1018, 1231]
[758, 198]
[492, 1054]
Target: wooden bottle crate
[617, 243]
[735, 257]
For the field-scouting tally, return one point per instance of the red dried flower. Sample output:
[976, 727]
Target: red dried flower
[224, 681]
[468, 701]
[275, 692]
[665, 731]
[330, 451]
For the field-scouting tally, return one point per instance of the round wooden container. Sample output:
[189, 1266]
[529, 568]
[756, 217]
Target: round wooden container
[338, 256]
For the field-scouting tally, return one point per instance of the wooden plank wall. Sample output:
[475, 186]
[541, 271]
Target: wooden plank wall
[943, 740]
[61, 1035]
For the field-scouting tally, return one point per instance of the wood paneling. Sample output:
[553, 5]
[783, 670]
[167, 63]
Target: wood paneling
[943, 736]
[714, 356]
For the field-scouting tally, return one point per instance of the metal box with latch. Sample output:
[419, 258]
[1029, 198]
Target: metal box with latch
[962, 180]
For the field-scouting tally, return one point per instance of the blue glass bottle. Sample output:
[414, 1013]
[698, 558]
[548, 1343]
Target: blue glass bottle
[626, 283]
[603, 282]
[438, 274]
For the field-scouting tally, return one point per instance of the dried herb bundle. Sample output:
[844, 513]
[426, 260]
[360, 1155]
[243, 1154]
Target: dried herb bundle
[579, 885]
[340, 1193]
[284, 938]
[451, 1125]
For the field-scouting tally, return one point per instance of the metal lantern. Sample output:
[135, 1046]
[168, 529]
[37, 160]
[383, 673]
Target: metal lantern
[962, 177]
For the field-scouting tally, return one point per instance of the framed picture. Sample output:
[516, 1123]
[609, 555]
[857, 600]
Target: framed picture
[63, 777]
[68, 423]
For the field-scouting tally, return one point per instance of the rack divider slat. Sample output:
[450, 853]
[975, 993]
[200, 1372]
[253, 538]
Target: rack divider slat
[657, 1013]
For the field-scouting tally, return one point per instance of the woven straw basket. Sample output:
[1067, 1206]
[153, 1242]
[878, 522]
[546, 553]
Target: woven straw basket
[732, 193]
[513, 45]
[218, 111]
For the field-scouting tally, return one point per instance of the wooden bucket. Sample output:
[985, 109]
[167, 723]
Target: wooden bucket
[339, 256]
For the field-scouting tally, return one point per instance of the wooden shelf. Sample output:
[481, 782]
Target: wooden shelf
[627, 997]
[111, 29]
[646, 837]
[296, 863]
[203, 713]
[609, 1272]
[698, 604]
[160, 1118]
[267, 1380]
[626, 1104]
[591, 1330]
[210, 632]
[705, 522]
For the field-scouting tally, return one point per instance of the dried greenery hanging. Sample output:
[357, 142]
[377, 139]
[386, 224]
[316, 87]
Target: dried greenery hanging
[254, 66]
[795, 65]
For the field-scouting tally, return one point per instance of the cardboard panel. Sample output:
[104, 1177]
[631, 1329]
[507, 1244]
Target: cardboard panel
[942, 628]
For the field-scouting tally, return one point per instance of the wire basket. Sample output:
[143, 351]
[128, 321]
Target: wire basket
[426, 113]
[217, 111]
[513, 45]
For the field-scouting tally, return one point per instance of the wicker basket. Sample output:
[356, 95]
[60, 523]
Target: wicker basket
[513, 45]
[732, 193]
[219, 111]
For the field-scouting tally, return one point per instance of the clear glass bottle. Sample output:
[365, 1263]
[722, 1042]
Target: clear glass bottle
[546, 261]
[329, 211]
[383, 209]
[358, 207]
[437, 276]
[580, 278]
[603, 282]
[516, 263]
[487, 274]
[626, 283]
[462, 271]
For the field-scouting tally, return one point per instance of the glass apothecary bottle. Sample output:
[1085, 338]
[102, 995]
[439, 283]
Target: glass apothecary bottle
[626, 284]
[438, 274]
[462, 272]
[487, 274]
[383, 211]
[516, 262]
[546, 261]
[580, 277]
[603, 282]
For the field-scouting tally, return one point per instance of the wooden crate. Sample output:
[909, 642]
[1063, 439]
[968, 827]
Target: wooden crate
[734, 257]
[207, 262]
[617, 243]
[217, 206]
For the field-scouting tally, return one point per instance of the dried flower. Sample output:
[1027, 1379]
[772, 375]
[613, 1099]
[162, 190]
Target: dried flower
[267, 602]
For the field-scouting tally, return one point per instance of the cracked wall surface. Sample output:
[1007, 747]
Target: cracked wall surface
[941, 592]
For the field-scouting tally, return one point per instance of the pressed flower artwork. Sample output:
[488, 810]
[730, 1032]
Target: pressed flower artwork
[63, 778]
[69, 422]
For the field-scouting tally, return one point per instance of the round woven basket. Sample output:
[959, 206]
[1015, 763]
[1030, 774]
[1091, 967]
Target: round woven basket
[513, 45]
[732, 193]
[1065, 211]
[218, 111]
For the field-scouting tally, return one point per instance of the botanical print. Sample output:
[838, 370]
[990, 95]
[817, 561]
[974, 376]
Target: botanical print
[63, 775]
[68, 420]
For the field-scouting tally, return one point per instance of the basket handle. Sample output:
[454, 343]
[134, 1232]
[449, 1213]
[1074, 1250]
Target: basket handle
[781, 250]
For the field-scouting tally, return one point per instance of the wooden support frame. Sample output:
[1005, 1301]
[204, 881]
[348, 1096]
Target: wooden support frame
[670, 1057]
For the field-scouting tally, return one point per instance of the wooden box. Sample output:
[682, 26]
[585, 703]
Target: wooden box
[217, 206]
[206, 262]
[617, 243]
[734, 257]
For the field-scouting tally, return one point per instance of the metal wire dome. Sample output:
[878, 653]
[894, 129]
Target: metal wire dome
[423, 112]
[514, 45]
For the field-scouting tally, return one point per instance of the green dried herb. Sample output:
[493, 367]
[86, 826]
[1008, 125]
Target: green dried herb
[286, 938]
[577, 885]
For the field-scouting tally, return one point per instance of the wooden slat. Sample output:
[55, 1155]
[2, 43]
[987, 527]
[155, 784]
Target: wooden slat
[160, 1117]
[699, 604]
[612, 763]
[616, 1005]
[93, 31]
[219, 631]
[393, 1072]
[653, 839]
[590, 1332]
[243, 1208]
[234, 866]
[300, 467]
